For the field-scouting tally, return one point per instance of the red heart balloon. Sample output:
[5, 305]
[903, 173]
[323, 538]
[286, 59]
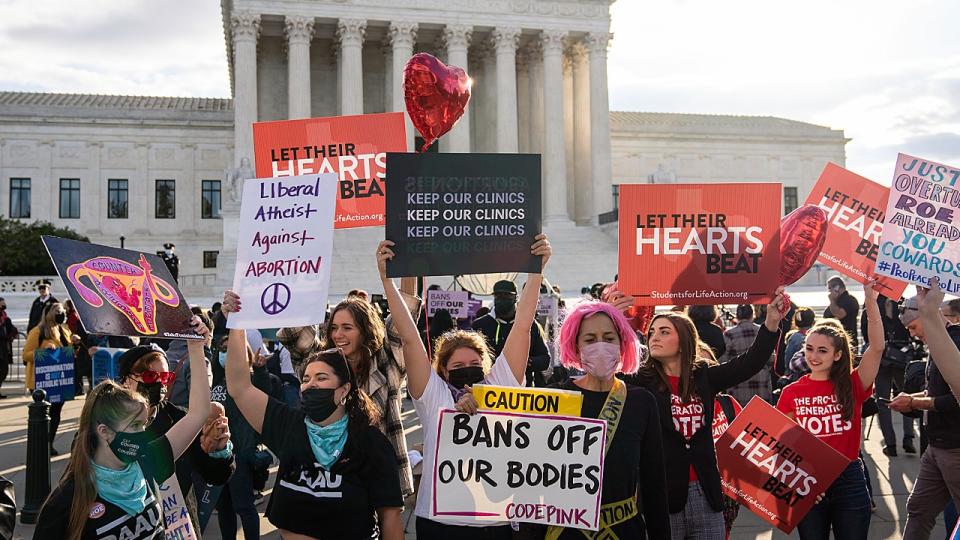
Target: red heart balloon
[436, 95]
[802, 234]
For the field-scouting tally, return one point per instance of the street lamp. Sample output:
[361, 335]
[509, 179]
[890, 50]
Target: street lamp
[122, 238]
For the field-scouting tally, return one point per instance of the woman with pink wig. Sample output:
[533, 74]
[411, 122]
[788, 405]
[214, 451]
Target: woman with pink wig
[597, 339]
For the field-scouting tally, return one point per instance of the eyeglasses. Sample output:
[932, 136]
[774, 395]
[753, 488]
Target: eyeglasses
[162, 377]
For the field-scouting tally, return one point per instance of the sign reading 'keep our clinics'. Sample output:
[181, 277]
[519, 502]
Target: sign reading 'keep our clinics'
[284, 249]
[922, 227]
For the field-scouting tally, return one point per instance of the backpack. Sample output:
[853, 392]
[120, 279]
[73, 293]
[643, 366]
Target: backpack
[915, 381]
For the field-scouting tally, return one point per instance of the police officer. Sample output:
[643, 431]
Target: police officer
[170, 259]
[41, 302]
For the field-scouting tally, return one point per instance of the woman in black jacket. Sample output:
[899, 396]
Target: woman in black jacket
[682, 384]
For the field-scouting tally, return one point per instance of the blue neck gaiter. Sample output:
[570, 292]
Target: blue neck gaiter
[126, 488]
[327, 442]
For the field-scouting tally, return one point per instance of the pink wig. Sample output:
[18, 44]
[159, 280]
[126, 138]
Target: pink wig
[570, 331]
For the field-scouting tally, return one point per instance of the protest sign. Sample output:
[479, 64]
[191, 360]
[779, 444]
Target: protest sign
[920, 234]
[528, 400]
[855, 210]
[683, 244]
[354, 147]
[284, 251]
[504, 466]
[105, 364]
[547, 305]
[773, 466]
[53, 373]
[454, 214]
[118, 292]
[176, 517]
[455, 302]
[473, 306]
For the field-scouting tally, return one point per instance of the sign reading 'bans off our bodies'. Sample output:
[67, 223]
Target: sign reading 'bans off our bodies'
[699, 243]
[354, 147]
[455, 214]
[773, 466]
[284, 251]
[506, 466]
[921, 235]
[855, 210]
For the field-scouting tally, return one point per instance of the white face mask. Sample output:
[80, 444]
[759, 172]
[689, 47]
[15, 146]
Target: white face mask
[169, 252]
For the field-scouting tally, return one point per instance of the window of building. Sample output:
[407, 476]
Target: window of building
[117, 196]
[789, 199]
[70, 198]
[210, 259]
[210, 200]
[19, 197]
[166, 205]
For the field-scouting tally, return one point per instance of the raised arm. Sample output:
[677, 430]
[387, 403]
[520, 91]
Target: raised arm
[414, 353]
[748, 364]
[943, 351]
[251, 401]
[185, 431]
[517, 347]
[870, 362]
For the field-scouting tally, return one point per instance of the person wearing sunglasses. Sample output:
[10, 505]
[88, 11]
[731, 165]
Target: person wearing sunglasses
[144, 370]
[110, 486]
[338, 476]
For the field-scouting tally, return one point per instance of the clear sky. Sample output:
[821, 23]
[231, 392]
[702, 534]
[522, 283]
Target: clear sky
[887, 72]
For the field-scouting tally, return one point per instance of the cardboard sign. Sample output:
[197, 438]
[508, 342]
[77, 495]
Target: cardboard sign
[119, 292]
[683, 244]
[105, 363]
[547, 305]
[473, 306]
[176, 517]
[454, 302]
[455, 214]
[354, 147]
[528, 400]
[773, 466]
[502, 466]
[53, 373]
[920, 234]
[855, 210]
[284, 250]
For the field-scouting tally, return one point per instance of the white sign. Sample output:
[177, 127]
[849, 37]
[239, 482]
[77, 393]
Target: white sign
[456, 302]
[503, 466]
[176, 518]
[284, 250]
[547, 307]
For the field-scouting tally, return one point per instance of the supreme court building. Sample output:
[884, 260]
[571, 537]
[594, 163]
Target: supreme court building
[155, 169]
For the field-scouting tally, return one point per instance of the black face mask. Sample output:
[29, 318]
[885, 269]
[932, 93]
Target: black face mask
[128, 446]
[504, 307]
[460, 377]
[318, 403]
[152, 391]
[60, 318]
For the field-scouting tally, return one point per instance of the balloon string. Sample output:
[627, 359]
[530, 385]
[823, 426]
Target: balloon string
[784, 310]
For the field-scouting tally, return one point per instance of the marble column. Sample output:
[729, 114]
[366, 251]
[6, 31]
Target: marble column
[388, 83]
[600, 166]
[245, 29]
[536, 103]
[583, 191]
[299, 32]
[350, 33]
[456, 38]
[568, 132]
[402, 36]
[486, 120]
[523, 98]
[554, 147]
[505, 41]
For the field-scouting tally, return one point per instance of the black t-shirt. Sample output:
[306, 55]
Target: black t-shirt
[849, 322]
[635, 459]
[105, 520]
[339, 503]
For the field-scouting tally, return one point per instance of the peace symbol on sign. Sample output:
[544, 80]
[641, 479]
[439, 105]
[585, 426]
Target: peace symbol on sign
[275, 298]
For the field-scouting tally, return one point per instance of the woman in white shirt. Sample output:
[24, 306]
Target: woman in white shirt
[461, 359]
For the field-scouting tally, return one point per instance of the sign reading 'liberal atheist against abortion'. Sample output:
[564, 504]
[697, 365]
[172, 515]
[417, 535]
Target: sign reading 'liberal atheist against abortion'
[921, 235]
[455, 214]
[683, 244]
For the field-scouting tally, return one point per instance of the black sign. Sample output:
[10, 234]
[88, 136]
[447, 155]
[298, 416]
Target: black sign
[119, 292]
[455, 214]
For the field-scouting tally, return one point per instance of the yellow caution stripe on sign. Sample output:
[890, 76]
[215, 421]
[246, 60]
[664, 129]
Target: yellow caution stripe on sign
[528, 400]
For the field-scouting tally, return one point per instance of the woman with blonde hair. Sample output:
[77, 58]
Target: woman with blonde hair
[110, 487]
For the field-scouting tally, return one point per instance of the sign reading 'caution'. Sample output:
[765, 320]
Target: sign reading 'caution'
[528, 400]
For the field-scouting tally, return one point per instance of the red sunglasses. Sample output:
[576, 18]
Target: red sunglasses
[162, 377]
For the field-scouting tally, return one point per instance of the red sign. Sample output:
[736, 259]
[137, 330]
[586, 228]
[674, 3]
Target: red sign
[355, 147]
[855, 209]
[683, 244]
[773, 466]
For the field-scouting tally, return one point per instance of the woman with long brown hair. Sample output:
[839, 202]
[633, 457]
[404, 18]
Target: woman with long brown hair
[110, 486]
[827, 403]
[682, 383]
